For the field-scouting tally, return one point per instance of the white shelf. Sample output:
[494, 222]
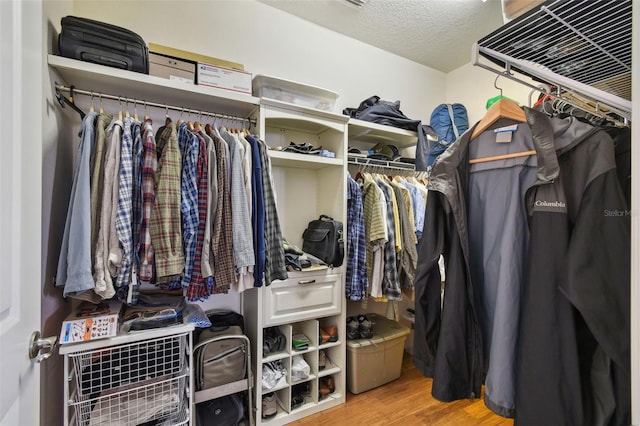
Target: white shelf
[366, 131]
[305, 111]
[303, 161]
[117, 82]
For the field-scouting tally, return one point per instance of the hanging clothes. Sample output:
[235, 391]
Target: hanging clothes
[376, 234]
[97, 176]
[108, 252]
[274, 267]
[258, 212]
[356, 281]
[197, 288]
[164, 227]
[124, 212]
[243, 254]
[449, 339]
[212, 196]
[149, 168]
[576, 295]
[74, 264]
[221, 235]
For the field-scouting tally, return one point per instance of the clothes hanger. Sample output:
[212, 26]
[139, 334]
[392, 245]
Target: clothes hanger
[180, 120]
[63, 100]
[120, 112]
[503, 108]
[167, 119]
[91, 108]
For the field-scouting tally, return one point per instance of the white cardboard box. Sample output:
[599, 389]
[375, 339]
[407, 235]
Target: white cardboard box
[224, 78]
[91, 322]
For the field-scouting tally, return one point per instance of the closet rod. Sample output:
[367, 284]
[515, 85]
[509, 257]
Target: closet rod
[381, 163]
[616, 104]
[62, 88]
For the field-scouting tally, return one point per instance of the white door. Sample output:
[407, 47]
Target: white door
[20, 207]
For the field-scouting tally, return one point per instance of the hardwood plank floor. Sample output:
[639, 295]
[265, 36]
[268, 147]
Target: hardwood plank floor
[406, 401]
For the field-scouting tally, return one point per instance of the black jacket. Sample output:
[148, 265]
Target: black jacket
[574, 339]
[574, 306]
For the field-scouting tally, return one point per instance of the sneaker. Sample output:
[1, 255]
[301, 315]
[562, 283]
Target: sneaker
[364, 327]
[352, 328]
[269, 405]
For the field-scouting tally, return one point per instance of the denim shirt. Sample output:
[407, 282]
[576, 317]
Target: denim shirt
[74, 263]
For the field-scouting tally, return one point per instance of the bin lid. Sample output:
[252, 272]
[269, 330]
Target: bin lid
[383, 329]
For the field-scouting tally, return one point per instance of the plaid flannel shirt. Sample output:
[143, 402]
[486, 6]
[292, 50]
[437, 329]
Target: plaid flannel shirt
[197, 289]
[357, 283]
[125, 209]
[149, 167]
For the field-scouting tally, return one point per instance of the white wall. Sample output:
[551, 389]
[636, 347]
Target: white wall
[271, 42]
[472, 86]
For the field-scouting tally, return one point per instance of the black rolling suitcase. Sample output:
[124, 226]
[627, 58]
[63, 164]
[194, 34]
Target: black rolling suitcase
[104, 44]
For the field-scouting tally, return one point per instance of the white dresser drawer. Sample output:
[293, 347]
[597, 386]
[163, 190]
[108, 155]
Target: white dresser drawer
[301, 297]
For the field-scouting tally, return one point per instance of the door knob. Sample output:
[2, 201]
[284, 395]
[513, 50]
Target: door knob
[41, 348]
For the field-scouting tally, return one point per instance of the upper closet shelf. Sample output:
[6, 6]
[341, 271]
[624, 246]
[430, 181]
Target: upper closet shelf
[89, 76]
[580, 47]
[366, 131]
[303, 161]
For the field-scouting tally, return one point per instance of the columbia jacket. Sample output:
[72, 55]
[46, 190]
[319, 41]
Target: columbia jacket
[495, 269]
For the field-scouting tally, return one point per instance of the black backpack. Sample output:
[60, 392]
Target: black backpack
[323, 238]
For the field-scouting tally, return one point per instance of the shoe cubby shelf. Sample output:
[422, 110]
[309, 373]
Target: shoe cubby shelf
[307, 185]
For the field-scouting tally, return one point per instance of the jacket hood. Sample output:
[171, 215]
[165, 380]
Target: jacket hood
[568, 132]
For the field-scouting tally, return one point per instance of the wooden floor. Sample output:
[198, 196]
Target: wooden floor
[406, 401]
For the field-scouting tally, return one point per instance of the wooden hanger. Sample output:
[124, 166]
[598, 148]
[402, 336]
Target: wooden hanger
[504, 108]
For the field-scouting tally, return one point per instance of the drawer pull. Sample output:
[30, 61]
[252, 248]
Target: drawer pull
[306, 281]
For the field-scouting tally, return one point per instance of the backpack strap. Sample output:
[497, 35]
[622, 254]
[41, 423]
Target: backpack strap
[453, 122]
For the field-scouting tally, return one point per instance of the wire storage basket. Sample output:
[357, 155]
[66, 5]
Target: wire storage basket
[132, 383]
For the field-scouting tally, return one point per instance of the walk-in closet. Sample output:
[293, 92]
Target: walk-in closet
[310, 212]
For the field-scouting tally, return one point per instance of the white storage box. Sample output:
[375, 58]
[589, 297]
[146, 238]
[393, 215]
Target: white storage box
[376, 361]
[224, 78]
[294, 93]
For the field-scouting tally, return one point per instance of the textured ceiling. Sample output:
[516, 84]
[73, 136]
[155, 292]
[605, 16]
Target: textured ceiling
[435, 33]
